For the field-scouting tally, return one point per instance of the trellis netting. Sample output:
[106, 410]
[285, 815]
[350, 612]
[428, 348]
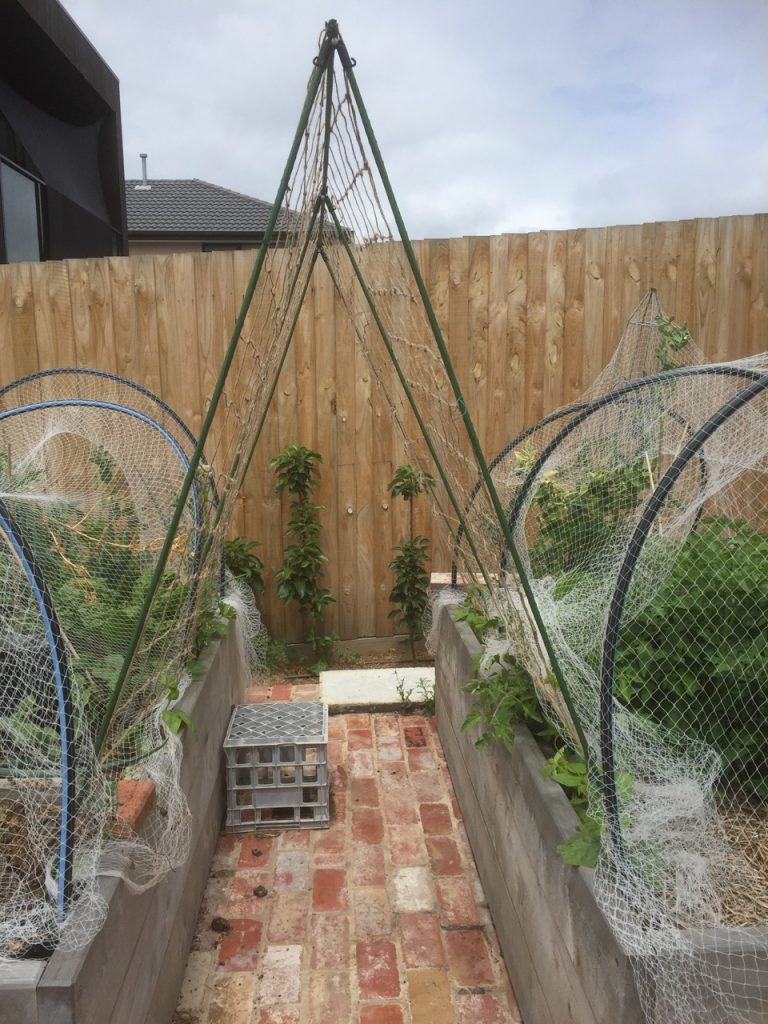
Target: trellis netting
[126, 524]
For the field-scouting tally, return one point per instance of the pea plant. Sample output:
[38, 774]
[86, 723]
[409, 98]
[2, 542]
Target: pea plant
[673, 338]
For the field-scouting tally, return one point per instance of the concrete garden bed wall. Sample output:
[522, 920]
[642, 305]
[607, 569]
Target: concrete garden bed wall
[563, 961]
[132, 970]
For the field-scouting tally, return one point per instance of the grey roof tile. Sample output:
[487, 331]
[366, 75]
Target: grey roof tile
[191, 206]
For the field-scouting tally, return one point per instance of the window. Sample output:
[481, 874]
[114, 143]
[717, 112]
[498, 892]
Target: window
[20, 215]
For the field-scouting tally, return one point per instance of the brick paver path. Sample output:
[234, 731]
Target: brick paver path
[379, 919]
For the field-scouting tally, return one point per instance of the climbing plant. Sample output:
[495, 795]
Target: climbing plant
[410, 592]
[300, 578]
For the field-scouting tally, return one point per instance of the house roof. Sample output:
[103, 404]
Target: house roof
[192, 207]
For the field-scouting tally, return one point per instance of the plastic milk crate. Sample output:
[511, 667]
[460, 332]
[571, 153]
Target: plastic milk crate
[277, 766]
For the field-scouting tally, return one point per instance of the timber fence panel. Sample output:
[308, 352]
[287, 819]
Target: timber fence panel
[530, 320]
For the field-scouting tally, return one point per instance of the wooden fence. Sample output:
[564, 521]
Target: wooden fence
[530, 320]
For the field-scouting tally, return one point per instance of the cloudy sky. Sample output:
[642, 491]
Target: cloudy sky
[492, 115]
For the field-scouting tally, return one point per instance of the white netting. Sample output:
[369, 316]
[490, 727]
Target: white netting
[252, 634]
[90, 472]
[683, 869]
[650, 577]
[648, 345]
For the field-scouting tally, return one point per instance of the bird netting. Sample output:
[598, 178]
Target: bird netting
[650, 342]
[91, 467]
[639, 517]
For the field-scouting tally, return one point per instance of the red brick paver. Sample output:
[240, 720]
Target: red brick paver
[288, 919]
[240, 949]
[280, 1015]
[329, 997]
[372, 914]
[444, 855]
[367, 826]
[377, 972]
[329, 938]
[329, 890]
[436, 819]
[364, 793]
[421, 941]
[389, 1013]
[377, 920]
[359, 739]
[254, 852]
[456, 903]
[468, 957]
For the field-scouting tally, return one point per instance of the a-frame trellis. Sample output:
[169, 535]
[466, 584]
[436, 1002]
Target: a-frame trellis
[328, 206]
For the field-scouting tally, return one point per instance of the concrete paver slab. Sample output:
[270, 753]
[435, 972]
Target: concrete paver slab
[376, 688]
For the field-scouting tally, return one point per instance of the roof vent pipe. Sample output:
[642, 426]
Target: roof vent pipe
[144, 186]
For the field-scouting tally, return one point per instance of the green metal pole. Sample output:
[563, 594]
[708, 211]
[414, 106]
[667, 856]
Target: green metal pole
[328, 123]
[283, 357]
[312, 88]
[406, 386]
[318, 206]
[460, 402]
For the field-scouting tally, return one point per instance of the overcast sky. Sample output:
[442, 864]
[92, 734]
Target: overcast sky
[492, 115]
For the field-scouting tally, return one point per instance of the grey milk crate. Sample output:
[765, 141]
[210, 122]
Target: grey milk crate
[277, 766]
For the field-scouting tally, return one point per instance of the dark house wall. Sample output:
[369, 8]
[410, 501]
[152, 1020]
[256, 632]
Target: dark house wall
[60, 139]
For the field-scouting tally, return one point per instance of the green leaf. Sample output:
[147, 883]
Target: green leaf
[583, 848]
[473, 718]
[175, 719]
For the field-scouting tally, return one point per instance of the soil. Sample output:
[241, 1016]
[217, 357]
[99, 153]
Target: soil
[14, 858]
[296, 672]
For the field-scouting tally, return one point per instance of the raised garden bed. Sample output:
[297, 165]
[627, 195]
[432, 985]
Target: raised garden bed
[563, 960]
[132, 970]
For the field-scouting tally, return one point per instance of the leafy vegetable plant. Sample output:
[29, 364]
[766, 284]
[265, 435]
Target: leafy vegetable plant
[695, 658]
[502, 688]
[673, 338]
[98, 572]
[570, 771]
[574, 522]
